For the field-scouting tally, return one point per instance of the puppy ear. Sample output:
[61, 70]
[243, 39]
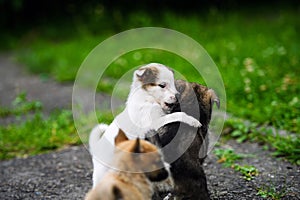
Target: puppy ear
[139, 73]
[121, 137]
[147, 75]
[143, 74]
[214, 98]
[137, 148]
[180, 86]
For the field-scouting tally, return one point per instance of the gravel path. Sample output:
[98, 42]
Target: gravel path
[225, 183]
[66, 174]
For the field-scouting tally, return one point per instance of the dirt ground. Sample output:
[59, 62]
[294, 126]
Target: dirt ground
[66, 174]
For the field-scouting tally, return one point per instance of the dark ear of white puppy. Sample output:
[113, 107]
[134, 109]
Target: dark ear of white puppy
[139, 73]
[147, 75]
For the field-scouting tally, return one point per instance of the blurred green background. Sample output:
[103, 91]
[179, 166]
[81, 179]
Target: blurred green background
[255, 44]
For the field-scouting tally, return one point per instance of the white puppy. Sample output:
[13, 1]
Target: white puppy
[151, 97]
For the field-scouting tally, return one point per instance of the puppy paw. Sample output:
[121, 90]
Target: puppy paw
[195, 123]
[168, 197]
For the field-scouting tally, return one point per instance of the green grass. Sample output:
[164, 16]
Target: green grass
[37, 134]
[269, 191]
[229, 159]
[33, 133]
[286, 146]
[20, 106]
[257, 55]
[227, 156]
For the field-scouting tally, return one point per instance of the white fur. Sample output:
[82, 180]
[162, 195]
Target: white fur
[145, 110]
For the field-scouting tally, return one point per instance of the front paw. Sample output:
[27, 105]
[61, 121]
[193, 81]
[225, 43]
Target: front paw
[195, 123]
[168, 197]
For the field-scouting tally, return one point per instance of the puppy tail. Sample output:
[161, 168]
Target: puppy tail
[95, 135]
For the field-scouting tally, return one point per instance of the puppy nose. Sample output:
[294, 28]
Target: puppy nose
[174, 98]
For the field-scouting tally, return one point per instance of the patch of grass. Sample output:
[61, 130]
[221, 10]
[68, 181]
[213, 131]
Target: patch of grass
[248, 171]
[228, 157]
[271, 192]
[20, 106]
[284, 146]
[36, 133]
[60, 60]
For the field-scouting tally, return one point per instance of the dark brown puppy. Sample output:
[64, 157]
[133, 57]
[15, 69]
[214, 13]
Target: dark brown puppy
[189, 142]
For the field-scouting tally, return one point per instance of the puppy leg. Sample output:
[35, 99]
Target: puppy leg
[99, 172]
[176, 117]
[102, 159]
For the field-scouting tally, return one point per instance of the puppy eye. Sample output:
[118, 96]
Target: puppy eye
[162, 85]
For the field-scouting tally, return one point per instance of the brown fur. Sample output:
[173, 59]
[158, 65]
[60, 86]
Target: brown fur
[149, 76]
[189, 177]
[130, 181]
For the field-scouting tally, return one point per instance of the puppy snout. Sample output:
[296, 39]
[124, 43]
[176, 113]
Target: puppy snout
[173, 98]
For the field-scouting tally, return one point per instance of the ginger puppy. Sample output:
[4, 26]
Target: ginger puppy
[135, 171]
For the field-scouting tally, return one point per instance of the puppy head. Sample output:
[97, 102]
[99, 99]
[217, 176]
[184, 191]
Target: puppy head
[185, 89]
[158, 81]
[194, 94]
[141, 156]
[206, 95]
